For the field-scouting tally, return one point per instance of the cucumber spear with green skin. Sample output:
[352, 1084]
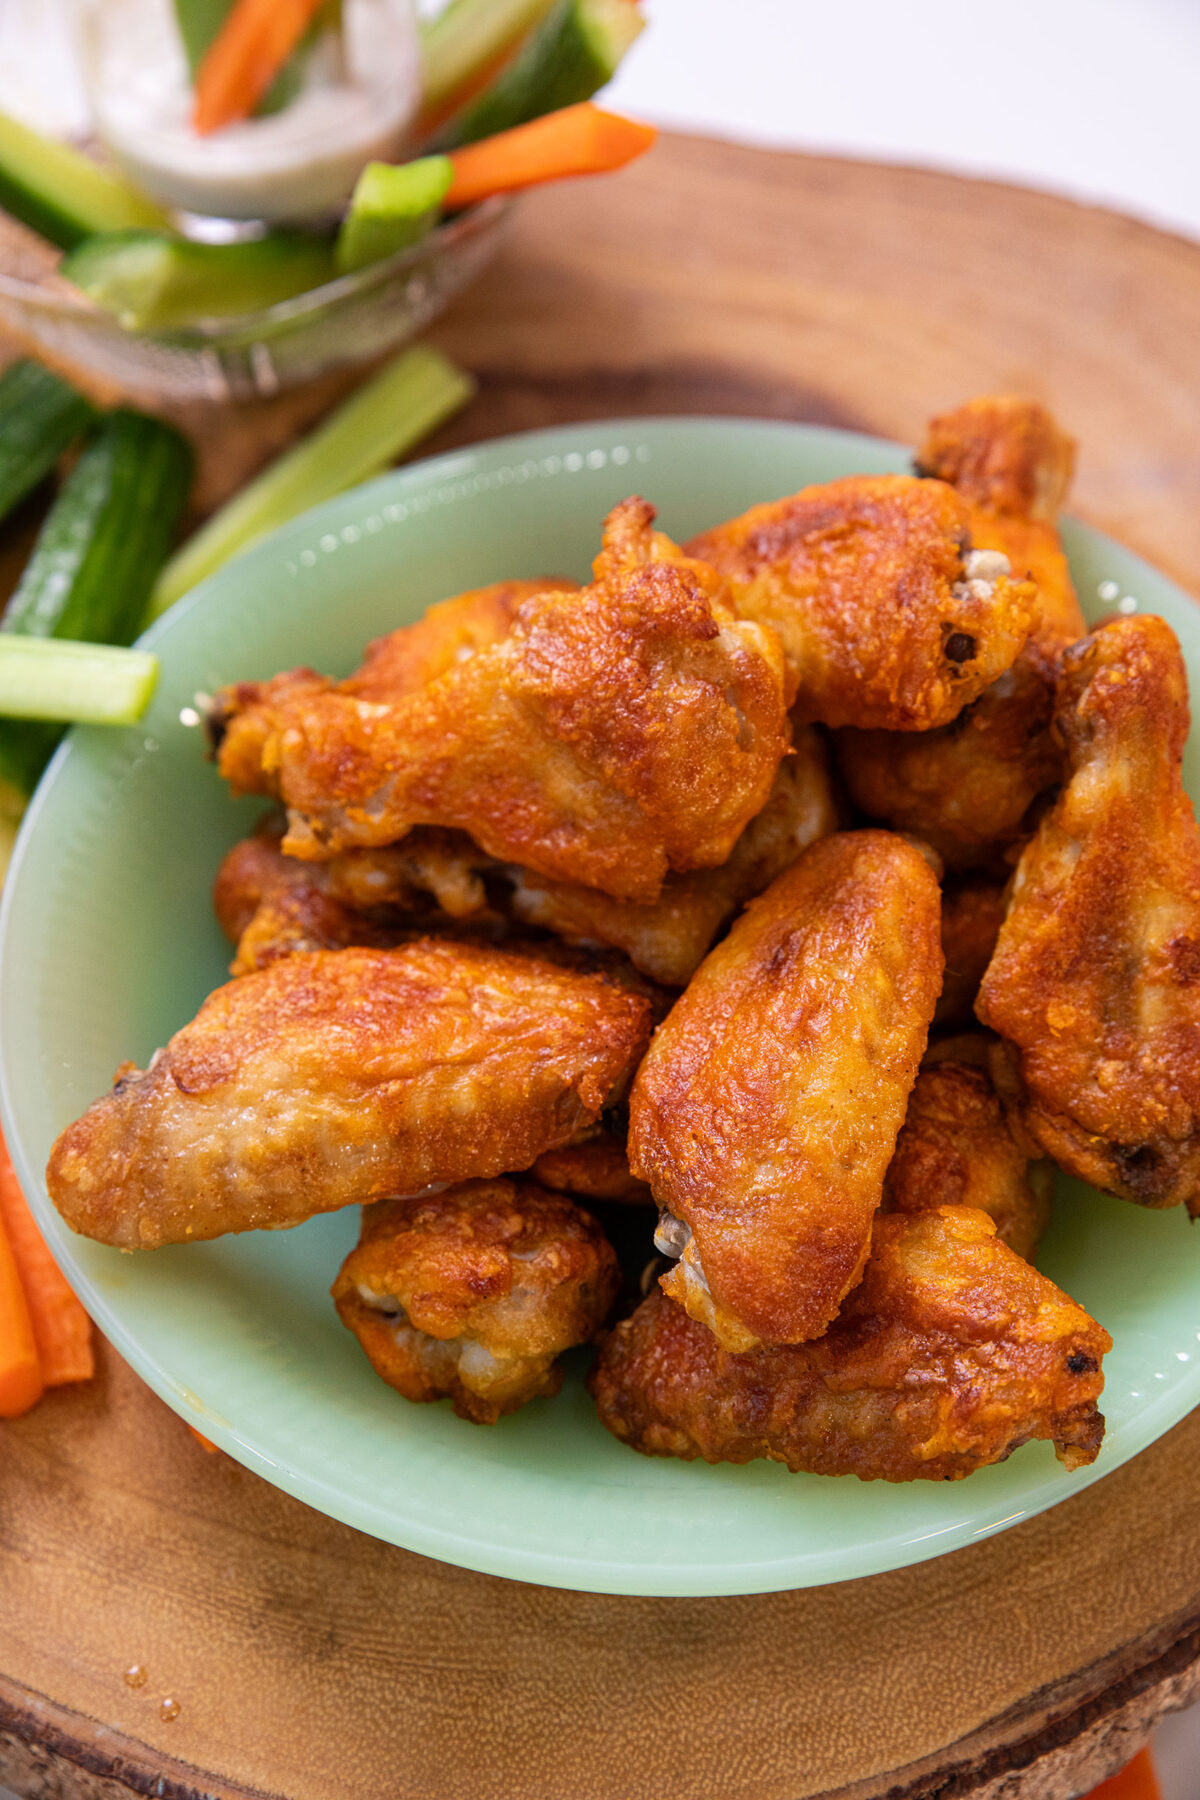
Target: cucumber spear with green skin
[153, 282]
[96, 559]
[40, 417]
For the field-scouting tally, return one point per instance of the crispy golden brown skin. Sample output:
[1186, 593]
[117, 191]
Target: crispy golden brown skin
[613, 735]
[972, 914]
[956, 1149]
[669, 939]
[766, 1112]
[1095, 983]
[475, 1293]
[884, 624]
[594, 1168]
[430, 869]
[347, 1075]
[968, 787]
[950, 1354]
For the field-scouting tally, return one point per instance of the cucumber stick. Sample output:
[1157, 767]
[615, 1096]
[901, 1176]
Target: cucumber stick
[157, 283]
[387, 416]
[466, 42]
[393, 206]
[40, 417]
[106, 537]
[81, 684]
[90, 575]
[575, 50]
[64, 195]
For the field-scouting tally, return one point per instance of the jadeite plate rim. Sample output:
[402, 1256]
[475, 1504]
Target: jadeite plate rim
[568, 1569]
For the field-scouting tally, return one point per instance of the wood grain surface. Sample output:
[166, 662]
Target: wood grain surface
[311, 1663]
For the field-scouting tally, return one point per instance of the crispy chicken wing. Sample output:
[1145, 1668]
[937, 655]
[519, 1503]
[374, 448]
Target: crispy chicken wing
[766, 1113]
[889, 620]
[972, 914]
[666, 939]
[347, 1075]
[475, 1293]
[669, 939]
[968, 787]
[613, 735]
[950, 1354]
[956, 1149]
[1095, 983]
[595, 1167]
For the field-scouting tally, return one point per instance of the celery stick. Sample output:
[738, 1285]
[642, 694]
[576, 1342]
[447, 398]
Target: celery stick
[575, 50]
[393, 205]
[73, 683]
[66, 196]
[464, 44]
[386, 417]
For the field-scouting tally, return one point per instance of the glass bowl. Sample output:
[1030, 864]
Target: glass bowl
[349, 320]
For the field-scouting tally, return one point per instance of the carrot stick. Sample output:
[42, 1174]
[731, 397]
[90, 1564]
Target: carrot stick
[578, 140]
[204, 1443]
[246, 55]
[20, 1371]
[1136, 1781]
[62, 1330]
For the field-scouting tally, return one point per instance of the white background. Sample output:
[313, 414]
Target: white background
[1095, 98]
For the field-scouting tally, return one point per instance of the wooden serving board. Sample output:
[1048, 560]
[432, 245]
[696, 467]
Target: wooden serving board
[310, 1663]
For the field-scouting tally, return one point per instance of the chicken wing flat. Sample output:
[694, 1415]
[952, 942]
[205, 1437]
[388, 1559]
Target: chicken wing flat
[950, 1354]
[614, 734]
[347, 1075]
[766, 1113]
[475, 1293]
[956, 1149]
[669, 939]
[889, 619]
[972, 914]
[1095, 983]
[968, 787]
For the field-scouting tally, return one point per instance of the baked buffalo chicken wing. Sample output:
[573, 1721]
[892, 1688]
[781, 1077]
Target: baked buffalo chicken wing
[956, 1149]
[889, 618]
[950, 1354]
[968, 787]
[1095, 982]
[614, 734]
[475, 1293]
[347, 1075]
[766, 1112]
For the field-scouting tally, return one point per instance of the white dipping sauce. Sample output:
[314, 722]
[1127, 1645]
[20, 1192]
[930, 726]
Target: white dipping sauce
[293, 165]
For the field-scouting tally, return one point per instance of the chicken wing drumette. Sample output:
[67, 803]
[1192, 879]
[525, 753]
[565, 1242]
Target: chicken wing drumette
[972, 914]
[956, 1149]
[475, 1293]
[766, 1113]
[347, 1075]
[889, 619]
[968, 787]
[614, 734]
[1095, 982]
[950, 1354]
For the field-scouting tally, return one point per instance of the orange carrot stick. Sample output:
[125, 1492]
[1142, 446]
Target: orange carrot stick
[62, 1330]
[1136, 1781]
[578, 140]
[246, 55]
[204, 1443]
[20, 1371]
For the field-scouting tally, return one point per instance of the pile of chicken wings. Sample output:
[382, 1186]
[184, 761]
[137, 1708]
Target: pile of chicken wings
[822, 885]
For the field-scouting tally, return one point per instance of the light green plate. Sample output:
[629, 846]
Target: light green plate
[107, 945]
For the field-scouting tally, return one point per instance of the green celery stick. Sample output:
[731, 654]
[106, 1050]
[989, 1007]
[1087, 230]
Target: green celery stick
[73, 683]
[387, 416]
[464, 44]
[393, 206]
[66, 196]
[157, 283]
[571, 55]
